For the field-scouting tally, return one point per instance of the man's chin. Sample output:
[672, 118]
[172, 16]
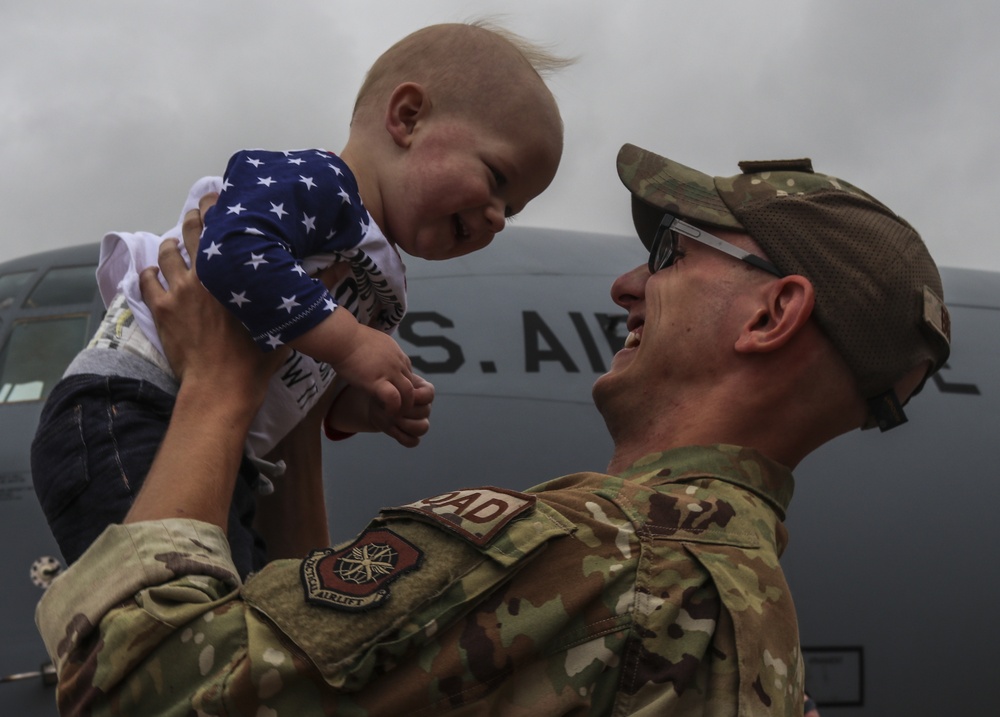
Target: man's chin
[603, 388]
[615, 384]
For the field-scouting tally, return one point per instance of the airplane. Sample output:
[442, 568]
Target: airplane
[893, 536]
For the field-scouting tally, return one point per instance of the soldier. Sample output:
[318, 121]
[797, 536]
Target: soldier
[779, 308]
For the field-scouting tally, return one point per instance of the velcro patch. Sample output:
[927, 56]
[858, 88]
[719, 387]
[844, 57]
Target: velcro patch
[477, 514]
[776, 165]
[936, 314]
[357, 577]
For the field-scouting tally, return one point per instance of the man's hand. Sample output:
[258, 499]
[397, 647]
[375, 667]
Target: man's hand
[223, 379]
[199, 336]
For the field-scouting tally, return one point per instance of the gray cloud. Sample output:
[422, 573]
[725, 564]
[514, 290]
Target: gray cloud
[110, 109]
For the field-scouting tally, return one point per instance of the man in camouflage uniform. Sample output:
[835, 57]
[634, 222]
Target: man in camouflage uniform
[654, 589]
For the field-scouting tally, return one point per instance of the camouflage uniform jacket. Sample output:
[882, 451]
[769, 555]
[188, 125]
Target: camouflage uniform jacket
[656, 592]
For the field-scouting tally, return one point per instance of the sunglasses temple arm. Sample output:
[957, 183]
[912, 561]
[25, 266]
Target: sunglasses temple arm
[763, 264]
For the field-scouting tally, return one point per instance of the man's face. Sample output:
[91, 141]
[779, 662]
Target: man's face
[461, 180]
[683, 322]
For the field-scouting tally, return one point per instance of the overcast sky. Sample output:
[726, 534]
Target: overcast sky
[109, 109]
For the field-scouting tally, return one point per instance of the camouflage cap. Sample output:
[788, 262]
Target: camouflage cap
[878, 291]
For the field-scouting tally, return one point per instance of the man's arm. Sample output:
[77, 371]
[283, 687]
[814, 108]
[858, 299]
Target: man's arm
[292, 520]
[223, 381]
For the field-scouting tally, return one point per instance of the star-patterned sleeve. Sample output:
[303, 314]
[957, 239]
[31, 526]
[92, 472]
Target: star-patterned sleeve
[275, 210]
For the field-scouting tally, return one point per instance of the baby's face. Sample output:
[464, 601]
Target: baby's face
[463, 178]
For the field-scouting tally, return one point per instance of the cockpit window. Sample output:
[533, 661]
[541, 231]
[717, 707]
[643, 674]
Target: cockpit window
[64, 285]
[10, 285]
[36, 354]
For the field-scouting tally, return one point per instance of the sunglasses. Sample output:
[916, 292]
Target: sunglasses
[663, 251]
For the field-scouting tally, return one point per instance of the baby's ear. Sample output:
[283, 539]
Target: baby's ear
[407, 105]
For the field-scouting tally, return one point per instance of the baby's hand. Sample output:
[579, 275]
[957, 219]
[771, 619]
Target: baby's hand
[377, 365]
[365, 358]
[355, 411]
[411, 423]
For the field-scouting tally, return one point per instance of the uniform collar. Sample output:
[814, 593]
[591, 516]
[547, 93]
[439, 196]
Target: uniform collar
[741, 466]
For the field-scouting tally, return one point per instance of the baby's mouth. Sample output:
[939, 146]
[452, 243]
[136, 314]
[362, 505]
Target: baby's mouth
[460, 230]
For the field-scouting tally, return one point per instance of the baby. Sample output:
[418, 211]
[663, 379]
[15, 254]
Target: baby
[453, 132]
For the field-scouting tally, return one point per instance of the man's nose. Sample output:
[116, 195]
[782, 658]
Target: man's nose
[630, 286]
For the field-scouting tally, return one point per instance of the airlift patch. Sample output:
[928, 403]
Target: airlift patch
[477, 515]
[356, 578]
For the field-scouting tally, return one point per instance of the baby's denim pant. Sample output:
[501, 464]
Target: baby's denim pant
[97, 437]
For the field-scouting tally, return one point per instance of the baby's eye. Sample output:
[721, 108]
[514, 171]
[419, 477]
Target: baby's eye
[498, 176]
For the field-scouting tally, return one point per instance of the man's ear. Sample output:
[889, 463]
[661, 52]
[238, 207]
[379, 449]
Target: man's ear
[783, 308]
[407, 105]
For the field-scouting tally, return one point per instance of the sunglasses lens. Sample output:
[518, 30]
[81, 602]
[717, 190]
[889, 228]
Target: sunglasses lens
[663, 250]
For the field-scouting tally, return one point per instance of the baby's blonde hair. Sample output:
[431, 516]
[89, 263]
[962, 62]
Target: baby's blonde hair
[458, 61]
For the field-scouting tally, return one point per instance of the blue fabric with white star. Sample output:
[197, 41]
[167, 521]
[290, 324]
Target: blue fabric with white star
[276, 209]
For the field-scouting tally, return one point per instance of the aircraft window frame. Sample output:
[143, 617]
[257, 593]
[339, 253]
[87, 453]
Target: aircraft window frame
[40, 358]
[11, 286]
[63, 286]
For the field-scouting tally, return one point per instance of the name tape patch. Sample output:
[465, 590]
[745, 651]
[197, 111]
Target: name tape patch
[357, 577]
[477, 515]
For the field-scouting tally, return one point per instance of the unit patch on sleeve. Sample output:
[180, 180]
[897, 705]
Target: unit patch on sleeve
[477, 514]
[357, 577]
